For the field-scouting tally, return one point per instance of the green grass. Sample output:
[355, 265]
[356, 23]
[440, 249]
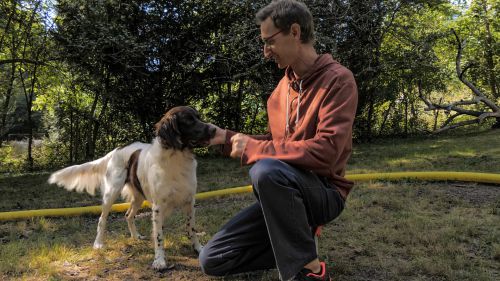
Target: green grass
[400, 230]
[471, 152]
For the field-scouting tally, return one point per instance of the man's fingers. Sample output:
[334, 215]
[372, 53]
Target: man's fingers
[235, 137]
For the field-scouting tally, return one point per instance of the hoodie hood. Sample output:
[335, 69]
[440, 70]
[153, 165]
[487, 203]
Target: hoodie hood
[321, 63]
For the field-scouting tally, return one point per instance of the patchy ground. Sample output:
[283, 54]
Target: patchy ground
[399, 230]
[389, 231]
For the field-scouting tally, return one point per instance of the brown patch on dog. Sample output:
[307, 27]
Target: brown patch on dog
[132, 178]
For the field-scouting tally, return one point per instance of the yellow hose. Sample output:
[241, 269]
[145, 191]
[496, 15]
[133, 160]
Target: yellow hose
[438, 176]
[122, 207]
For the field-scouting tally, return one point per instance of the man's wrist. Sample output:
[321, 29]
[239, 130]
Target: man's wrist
[223, 135]
[220, 137]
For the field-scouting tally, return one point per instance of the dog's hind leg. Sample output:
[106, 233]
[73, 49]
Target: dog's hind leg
[135, 205]
[190, 212]
[113, 184]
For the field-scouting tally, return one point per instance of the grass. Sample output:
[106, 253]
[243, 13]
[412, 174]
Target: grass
[400, 230]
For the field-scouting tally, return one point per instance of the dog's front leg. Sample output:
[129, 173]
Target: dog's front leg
[190, 212]
[159, 214]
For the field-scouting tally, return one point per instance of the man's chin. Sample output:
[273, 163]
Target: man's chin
[281, 66]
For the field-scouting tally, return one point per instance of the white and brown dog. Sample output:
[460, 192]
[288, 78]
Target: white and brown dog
[163, 172]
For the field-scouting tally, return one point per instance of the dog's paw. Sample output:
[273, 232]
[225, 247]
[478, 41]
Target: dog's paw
[138, 236]
[198, 248]
[98, 245]
[161, 265]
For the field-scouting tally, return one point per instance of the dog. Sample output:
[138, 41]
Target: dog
[163, 172]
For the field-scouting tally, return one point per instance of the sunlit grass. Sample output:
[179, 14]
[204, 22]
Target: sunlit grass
[478, 152]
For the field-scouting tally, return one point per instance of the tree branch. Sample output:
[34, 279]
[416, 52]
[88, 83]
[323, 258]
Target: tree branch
[458, 106]
[456, 125]
[461, 73]
[30, 61]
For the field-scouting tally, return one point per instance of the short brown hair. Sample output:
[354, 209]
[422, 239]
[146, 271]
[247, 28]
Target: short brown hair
[284, 13]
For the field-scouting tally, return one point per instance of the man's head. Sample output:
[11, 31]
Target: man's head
[284, 13]
[285, 25]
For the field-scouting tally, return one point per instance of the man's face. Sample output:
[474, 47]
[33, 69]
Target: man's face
[278, 45]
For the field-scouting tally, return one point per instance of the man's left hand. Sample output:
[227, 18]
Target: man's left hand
[239, 142]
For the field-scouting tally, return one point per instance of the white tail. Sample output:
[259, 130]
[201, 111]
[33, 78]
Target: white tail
[85, 177]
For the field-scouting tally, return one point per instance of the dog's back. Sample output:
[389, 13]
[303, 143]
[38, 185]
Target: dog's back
[90, 176]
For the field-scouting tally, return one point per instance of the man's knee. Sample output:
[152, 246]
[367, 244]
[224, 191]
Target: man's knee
[206, 262]
[209, 265]
[267, 171]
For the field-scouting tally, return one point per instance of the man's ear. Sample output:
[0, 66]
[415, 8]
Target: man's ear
[295, 30]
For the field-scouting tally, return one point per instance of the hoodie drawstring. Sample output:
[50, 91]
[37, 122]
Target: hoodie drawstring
[288, 106]
[287, 127]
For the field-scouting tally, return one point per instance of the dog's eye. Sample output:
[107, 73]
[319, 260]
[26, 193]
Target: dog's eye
[189, 119]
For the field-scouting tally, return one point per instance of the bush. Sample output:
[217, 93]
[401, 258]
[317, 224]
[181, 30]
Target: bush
[49, 154]
[12, 157]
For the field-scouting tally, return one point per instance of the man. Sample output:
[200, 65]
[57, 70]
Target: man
[298, 175]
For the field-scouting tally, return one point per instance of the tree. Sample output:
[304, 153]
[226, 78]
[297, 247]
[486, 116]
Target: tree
[482, 107]
[25, 43]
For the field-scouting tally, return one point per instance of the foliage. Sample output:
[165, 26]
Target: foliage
[11, 159]
[479, 26]
[97, 74]
[25, 49]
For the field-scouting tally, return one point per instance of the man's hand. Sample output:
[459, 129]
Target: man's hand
[220, 136]
[239, 142]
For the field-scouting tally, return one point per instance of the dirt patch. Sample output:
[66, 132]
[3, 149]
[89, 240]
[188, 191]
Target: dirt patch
[185, 269]
[473, 193]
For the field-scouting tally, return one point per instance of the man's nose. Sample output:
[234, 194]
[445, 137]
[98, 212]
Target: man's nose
[267, 51]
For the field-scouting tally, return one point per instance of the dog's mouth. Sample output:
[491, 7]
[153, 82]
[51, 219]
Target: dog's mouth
[198, 143]
[204, 141]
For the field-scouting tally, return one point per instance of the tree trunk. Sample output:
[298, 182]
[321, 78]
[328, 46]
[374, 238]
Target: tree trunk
[370, 115]
[497, 124]
[490, 63]
[386, 115]
[5, 107]
[29, 96]
[405, 100]
[10, 87]
[7, 25]
[96, 119]
[239, 98]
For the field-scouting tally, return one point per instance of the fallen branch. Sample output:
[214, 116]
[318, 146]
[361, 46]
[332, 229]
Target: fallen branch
[459, 106]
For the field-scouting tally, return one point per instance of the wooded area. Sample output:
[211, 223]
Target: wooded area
[87, 75]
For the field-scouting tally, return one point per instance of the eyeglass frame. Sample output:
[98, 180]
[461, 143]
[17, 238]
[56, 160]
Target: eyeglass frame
[265, 41]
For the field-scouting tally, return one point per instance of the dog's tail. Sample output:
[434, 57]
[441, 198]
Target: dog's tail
[85, 177]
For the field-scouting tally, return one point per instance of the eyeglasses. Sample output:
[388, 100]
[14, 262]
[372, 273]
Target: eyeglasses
[266, 41]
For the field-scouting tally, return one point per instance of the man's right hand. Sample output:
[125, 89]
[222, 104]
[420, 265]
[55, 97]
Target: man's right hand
[220, 136]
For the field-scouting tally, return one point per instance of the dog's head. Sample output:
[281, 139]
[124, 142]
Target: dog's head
[181, 128]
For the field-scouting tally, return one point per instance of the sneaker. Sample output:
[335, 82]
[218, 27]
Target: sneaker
[307, 275]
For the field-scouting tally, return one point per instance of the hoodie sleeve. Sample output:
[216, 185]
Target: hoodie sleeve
[227, 146]
[331, 142]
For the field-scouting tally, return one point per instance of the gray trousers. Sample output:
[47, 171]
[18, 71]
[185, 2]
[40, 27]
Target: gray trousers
[276, 231]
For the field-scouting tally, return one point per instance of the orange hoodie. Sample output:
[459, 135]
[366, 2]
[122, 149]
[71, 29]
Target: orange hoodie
[310, 122]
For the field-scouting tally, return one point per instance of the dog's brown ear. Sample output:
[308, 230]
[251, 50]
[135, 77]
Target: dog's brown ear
[168, 132]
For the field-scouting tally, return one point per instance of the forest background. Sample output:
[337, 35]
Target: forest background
[80, 77]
